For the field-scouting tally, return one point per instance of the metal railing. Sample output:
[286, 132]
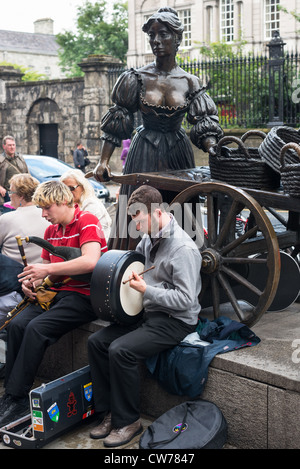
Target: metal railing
[243, 90]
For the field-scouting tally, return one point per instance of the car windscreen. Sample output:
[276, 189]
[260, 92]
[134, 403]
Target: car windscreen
[46, 169]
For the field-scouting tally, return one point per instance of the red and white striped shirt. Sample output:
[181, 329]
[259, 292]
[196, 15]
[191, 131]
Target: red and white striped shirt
[84, 228]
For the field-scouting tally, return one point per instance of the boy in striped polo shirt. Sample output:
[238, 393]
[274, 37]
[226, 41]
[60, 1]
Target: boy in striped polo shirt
[33, 330]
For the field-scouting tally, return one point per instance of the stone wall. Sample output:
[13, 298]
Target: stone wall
[74, 105]
[47, 102]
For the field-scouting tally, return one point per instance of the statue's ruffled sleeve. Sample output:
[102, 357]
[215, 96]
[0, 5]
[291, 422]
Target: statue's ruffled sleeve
[203, 115]
[118, 123]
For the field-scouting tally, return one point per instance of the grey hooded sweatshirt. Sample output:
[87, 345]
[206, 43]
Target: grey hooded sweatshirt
[175, 283]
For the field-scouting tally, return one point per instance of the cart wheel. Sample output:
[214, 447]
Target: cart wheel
[227, 258]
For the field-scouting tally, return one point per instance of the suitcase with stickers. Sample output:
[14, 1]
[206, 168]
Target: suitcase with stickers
[55, 408]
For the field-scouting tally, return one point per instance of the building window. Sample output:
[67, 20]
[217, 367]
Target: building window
[48, 71]
[226, 20]
[272, 22]
[210, 25]
[185, 18]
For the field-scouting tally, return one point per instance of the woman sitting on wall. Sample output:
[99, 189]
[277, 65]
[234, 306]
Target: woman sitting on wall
[84, 195]
[25, 220]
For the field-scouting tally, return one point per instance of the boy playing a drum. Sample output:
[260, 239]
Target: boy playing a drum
[171, 308]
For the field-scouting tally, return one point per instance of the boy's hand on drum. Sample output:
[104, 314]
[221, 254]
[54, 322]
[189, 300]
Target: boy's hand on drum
[138, 283]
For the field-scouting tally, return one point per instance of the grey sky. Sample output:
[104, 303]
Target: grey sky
[19, 15]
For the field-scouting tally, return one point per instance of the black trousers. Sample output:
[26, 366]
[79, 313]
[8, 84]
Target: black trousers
[33, 330]
[114, 354]
[9, 270]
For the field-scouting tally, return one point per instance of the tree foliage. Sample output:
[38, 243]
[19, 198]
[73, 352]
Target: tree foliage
[293, 12]
[236, 81]
[97, 32]
[222, 50]
[28, 73]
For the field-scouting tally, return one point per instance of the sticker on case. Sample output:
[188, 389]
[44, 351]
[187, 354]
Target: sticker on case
[53, 412]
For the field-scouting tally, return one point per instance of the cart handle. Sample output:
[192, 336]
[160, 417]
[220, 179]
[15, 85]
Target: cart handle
[230, 139]
[253, 133]
[291, 145]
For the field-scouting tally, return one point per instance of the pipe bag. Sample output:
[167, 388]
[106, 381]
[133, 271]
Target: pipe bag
[197, 424]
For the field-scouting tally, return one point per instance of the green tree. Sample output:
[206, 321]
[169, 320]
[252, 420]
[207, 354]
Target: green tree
[293, 13]
[237, 82]
[28, 73]
[221, 50]
[97, 32]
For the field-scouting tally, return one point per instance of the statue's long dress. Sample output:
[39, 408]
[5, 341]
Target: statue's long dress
[159, 144]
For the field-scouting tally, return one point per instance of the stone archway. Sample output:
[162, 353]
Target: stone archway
[42, 113]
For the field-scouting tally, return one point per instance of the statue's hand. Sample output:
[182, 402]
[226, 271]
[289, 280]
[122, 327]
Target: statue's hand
[102, 172]
[209, 142]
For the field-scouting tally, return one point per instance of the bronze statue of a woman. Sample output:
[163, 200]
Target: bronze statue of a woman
[164, 93]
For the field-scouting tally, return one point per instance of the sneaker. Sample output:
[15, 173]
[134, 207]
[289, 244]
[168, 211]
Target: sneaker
[121, 436]
[13, 409]
[103, 429]
[3, 401]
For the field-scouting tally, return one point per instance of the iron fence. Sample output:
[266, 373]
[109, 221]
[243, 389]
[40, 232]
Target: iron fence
[243, 90]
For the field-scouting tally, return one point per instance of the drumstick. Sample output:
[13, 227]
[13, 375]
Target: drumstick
[131, 278]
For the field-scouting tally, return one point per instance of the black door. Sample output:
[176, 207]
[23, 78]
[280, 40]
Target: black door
[49, 139]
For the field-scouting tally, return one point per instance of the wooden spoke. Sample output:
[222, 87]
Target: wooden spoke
[244, 260]
[230, 219]
[215, 296]
[238, 241]
[233, 300]
[242, 280]
[211, 220]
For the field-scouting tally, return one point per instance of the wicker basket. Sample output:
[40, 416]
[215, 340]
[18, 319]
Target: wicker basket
[272, 145]
[290, 173]
[241, 167]
[253, 133]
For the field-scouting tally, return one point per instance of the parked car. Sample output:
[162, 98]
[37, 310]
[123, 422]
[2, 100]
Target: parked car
[44, 168]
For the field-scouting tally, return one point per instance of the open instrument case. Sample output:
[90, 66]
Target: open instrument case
[54, 409]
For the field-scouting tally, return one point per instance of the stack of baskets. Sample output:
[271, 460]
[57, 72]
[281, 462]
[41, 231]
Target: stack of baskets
[272, 145]
[290, 172]
[242, 166]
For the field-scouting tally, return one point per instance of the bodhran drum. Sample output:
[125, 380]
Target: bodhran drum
[111, 299]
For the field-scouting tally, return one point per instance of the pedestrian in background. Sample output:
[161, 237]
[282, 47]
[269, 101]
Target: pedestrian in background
[126, 145]
[79, 156]
[10, 163]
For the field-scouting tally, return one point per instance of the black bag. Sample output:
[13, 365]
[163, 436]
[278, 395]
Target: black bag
[86, 161]
[195, 424]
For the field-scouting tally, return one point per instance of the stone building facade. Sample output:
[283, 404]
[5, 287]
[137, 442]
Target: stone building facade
[36, 51]
[48, 117]
[208, 21]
